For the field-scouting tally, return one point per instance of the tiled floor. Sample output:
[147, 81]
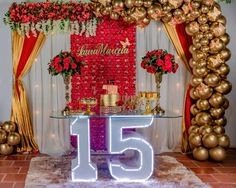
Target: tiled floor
[13, 170]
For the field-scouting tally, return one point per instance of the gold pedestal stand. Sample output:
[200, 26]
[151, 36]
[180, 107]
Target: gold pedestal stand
[89, 102]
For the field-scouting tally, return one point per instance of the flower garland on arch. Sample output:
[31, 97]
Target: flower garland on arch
[51, 17]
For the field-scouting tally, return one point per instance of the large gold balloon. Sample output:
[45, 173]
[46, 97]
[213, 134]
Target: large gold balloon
[212, 80]
[225, 38]
[217, 154]
[195, 81]
[9, 126]
[226, 104]
[6, 149]
[222, 121]
[167, 17]
[222, 20]
[203, 104]
[193, 94]
[139, 13]
[194, 110]
[219, 129]
[214, 14]
[216, 45]
[178, 12]
[200, 154]
[225, 87]
[193, 129]
[203, 91]
[202, 19]
[196, 140]
[214, 62]
[203, 118]
[13, 138]
[225, 54]
[217, 112]
[155, 11]
[200, 71]
[129, 3]
[176, 3]
[203, 130]
[223, 70]
[224, 141]
[3, 136]
[218, 29]
[192, 28]
[210, 140]
[217, 100]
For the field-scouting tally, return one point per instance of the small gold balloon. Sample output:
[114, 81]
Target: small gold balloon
[147, 3]
[195, 13]
[118, 4]
[9, 126]
[13, 138]
[138, 3]
[114, 16]
[217, 112]
[196, 140]
[167, 17]
[225, 38]
[203, 118]
[193, 129]
[204, 41]
[163, 1]
[212, 80]
[225, 54]
[222, 20]
[200, 71]
[203, 104]
[200, 154]
[210, 140]
[155, 11]
[6, 149]
[3, 136]
[129, 3]
[209, 35]
[139, 13]
[193, 94]
[224, 141]
[192, 28]
[178, 12]
[216, 45]
[195, 81]
[217, 154]
[219, 129]
[224, 88]
[167, 8]
[214, 61]
[205, 130]
[193, 121]
[207, 3]
[199, 35]
[226, 104]
[222, 121]
[202, 19]
[175, 3]
[192, 62]
[194, 110]
[223, 70]
[204, 27]
[218, 29]
[217, 100]
[195, 4]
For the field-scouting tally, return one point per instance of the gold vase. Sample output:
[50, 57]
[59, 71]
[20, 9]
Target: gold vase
[66, 80]
[158, 109]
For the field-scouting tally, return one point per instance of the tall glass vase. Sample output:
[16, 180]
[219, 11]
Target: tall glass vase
[66, 80]
[158, 80]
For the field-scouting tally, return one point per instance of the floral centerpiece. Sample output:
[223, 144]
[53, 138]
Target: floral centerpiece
[159, 62]
[67, 65]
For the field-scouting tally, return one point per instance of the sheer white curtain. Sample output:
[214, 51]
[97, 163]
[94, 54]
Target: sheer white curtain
[46, 94]
[165, 134]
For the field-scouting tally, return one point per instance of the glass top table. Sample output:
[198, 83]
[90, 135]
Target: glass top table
[124, 114]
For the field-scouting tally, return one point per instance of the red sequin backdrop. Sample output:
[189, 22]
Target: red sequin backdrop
[101, 69]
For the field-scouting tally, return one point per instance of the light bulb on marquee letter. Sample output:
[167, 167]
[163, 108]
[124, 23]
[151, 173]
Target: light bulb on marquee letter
[119, 143]
[82, 167]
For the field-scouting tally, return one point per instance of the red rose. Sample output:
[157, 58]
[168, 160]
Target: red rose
[143, 64]
[59, 68]
[176, 66]
[159, 54]
[159, 62]
[67, 60]
[168, 57]
[66, 66]
[57, 60]
[151, 69]
[73, 66]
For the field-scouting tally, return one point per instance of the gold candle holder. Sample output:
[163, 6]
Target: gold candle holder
[89, 102]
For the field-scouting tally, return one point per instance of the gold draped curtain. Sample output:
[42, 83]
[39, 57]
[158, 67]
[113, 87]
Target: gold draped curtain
[24, 51]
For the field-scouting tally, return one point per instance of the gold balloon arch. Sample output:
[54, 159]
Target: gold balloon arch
[203, 21]
[209, 85]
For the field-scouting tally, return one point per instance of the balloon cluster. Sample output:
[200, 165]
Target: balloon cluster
[8, 137]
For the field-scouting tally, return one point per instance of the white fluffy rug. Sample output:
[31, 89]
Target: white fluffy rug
[54, 172]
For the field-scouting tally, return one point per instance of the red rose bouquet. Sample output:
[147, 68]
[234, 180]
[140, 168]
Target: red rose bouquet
[159, 61]
[65, 63]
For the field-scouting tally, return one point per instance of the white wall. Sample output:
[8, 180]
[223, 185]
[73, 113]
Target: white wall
[6, 67]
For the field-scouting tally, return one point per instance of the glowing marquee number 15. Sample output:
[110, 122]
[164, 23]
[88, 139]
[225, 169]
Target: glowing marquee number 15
[84, 170]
